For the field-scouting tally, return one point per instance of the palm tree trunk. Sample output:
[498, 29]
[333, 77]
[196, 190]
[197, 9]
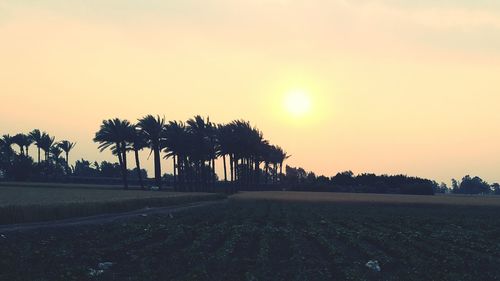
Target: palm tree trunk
[138, 166]
[257, 172]
[225, 171]
[267, 172]
[281, 171]
[125, 170]
[120, 160]
[38, 155]
[231, 167]
[67, 158]
[214, 175]
[175, 173]
[157, 166]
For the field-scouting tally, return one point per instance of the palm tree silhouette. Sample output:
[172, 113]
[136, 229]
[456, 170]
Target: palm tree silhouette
[23, 141]
[116, 135]
[66, 146]
[36, 136]
[46, 143]
[194, 146]
[225, 140]
[281, 156]
[6, 143]
[138, 143]
[56, 153]
[176, 146]
[201, 147]
[152, 128]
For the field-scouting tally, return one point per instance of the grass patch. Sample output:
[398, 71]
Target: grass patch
[370, 198]
[36, 213]
[30, 203]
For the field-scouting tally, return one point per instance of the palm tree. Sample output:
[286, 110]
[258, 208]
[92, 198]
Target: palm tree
[225, 139]
[6, 144]
[152, 128]
[36, 136]
[176, 146]
[201, 151]
[46, 143]
[246, 151]
[116, 135]
[66, 146]
[23, 141]
[267, 151]
[138, 143]
[281, 157]
[56, 152]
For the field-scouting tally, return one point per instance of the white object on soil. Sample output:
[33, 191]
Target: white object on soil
[105, 265]
[94, 273]
[373, 265]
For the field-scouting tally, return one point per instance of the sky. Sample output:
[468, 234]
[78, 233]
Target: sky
[394, 86]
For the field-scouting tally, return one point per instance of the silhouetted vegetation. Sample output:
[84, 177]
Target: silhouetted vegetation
[473, 185]
[193, 147]
[249, 161]
[21, 167]
[299, 179]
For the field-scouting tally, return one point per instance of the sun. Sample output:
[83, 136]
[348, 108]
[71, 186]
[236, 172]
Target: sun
[297, 102]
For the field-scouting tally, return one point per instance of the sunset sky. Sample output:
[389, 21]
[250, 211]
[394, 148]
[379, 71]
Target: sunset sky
[393, 86]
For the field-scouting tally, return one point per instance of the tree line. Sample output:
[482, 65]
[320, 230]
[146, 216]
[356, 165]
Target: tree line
[346, 181]
[193, 146]
[21, 166]
[473, 185]
[300, 179]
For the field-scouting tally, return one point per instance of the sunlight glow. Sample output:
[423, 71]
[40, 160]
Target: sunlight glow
[298, 102]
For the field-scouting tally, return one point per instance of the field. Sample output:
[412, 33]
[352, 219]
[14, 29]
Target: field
[38, 202]
[369, 198]
[249, 239]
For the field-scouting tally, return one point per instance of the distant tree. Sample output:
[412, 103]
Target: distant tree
[441, 188]
[115, 134]
[291, 175]
[46, 143]
[281, 157]
[225, 138]
[56, 152]
[323, 180]
[21, 168]
[343, 178]
[311, 178]
[454, 186]
[23, 141]
[152, 129]
[473, 185]
[110, 170]
[36, 136]
[84, 168]
[6, 146]
[66, 146]
[176, 145]
[297, 175]
[496, 188]
[200, 132]
[139, 142]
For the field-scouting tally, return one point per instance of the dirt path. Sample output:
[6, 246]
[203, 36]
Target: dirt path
[104, 218]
